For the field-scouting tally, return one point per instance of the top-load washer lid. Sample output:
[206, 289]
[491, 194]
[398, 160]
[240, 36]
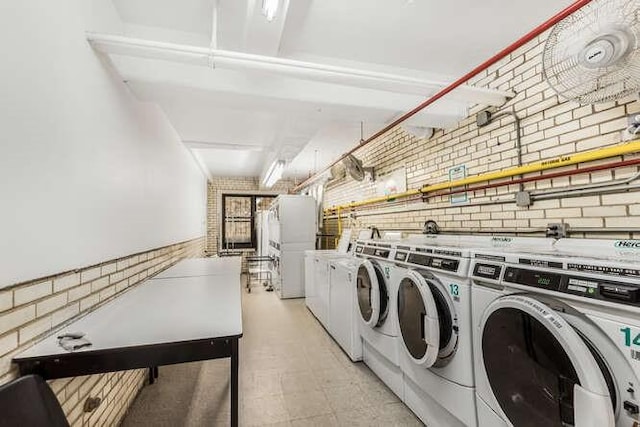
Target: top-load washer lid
[428, 324]
[372, 293]
[539, 370]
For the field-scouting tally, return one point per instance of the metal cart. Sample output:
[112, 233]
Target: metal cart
[258, 269]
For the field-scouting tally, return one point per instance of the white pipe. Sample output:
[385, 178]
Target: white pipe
[300, 69]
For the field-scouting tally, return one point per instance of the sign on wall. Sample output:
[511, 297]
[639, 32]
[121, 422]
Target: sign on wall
[392, 183]
[456, 173]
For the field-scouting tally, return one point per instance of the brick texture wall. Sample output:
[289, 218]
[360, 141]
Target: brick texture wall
[32, 310]
[551, 127]
[221, 185]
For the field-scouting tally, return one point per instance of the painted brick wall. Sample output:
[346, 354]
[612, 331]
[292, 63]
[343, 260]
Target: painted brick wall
[32, 310]
[551, 127]
[220, 185]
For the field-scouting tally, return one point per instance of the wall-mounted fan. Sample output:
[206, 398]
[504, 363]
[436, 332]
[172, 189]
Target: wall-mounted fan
[592, 56]
[337, 172]
[354, 168]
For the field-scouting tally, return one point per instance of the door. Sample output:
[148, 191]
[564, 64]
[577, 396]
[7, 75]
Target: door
[372, 294]
[538, 368]
[426, 318]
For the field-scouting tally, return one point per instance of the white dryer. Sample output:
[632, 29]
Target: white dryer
[557, 335]
[376, 303]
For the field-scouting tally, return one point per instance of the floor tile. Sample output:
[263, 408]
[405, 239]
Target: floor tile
[263, 410]
[294, 382]
[306, 404]
[346, 398]
[328, 420]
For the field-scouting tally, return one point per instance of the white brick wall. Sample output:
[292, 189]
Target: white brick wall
[551, 127]
[32, 310]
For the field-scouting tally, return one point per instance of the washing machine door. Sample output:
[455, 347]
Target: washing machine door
[372, 295]
[419, 320]
[538, 368]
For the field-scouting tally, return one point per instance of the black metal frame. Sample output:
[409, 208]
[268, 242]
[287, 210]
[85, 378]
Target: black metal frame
[145, 356]
[252, 243]
[254, 239]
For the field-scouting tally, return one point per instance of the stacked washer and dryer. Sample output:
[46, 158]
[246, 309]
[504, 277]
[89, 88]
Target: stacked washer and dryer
[557, 335]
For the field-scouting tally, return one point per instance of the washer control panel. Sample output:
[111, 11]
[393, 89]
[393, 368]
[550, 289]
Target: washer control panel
[595, 288]
[424, 260]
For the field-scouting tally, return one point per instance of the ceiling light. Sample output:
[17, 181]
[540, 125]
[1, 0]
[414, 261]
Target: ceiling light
[274, 173]
[270, 9]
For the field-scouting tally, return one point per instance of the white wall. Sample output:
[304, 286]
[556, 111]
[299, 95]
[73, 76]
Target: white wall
[87, 173]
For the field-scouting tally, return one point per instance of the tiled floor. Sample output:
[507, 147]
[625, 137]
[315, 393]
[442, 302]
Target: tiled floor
[291, 374]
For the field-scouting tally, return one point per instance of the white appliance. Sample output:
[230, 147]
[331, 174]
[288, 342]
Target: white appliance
[344, 321]
[557, 335]
[292, 231]
[317, 282]
[434, 317]
[376, 302]
[262, 233]
[316, 277]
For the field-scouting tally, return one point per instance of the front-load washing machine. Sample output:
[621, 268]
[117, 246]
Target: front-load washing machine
[434, 319]
[376, 303]
[557, 335]
[434, 315]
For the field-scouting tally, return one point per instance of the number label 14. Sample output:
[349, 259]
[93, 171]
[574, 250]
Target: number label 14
[630, 338]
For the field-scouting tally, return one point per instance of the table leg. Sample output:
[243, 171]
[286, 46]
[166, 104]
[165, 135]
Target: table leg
[234, 383]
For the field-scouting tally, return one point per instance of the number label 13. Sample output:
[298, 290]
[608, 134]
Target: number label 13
[454, 289]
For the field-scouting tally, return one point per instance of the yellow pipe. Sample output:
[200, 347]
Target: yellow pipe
[375, 200]
[335, 243]
[589, 156]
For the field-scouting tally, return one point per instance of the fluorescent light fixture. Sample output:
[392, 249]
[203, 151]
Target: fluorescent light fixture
[270, 9]
[274, 173]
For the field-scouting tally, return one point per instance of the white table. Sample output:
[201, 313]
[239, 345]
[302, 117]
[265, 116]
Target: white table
[159, 322]
[216, 266]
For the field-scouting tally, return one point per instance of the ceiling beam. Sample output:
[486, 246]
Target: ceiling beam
[324, 101]
[206, 57]
[212, 145]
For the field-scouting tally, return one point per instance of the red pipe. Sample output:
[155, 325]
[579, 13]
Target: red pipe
[607, 166]
[495, 58]
[545, 176]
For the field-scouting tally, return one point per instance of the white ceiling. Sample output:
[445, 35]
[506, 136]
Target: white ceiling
[239, 113]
